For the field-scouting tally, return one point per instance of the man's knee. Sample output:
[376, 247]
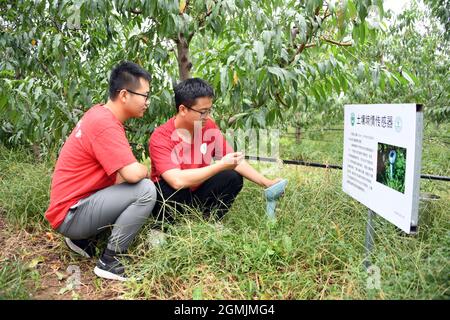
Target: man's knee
[146, 191]
[166, 193]
[234, 179]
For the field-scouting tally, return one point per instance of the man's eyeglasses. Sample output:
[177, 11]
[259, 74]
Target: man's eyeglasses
[203, 114]
[137, 93]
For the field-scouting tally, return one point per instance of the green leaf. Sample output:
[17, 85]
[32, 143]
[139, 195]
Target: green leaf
[223, 80]
[362, 33]
[336, 85]
[277, 71]
[197, 293]
[408, 77]
[302, 28]
[361, 70]
[56, 43]
[270, 116]
[261, 118]
[266, 36]
[287, 243]
[382, 81]
[321, 67]
[261, 75]
[3, 102]
[259, 50]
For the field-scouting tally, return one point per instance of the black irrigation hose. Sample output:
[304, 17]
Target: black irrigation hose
[434, 177]
[331, 166]
[292, 135]
[339, 129]
[296, 162]
[317, 130]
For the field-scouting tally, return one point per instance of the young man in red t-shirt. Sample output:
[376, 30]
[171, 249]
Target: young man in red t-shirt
[181, 151]
[97, 182]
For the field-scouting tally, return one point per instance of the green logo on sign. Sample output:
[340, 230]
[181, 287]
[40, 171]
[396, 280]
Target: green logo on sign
[352, 118]
[398, 124]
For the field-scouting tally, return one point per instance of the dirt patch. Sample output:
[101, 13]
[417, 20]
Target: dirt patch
[58, 273]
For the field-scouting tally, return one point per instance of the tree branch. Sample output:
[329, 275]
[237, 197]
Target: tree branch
[326, 14]
[343, 44]
[300, 49]
[201, 24]
[184, 62]
[317, 10]
[44, 67]
[303, 46]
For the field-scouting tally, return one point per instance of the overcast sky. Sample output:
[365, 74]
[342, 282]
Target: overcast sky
[395, 5]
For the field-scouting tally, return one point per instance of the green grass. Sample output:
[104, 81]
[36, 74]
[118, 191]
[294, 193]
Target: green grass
[14, 276]
[25, 187]
[314, 146]
[315, 250]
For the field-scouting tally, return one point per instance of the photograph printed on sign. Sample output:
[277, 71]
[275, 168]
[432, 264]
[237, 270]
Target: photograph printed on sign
[391, 166]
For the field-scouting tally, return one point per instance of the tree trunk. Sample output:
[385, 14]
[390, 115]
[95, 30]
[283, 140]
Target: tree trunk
[297, 134]
[36, 151]
[184, 63]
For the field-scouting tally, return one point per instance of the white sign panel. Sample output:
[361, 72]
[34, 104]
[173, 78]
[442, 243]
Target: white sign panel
[381, 163]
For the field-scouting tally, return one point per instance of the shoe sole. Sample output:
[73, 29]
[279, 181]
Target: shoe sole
[76, 248]
[108, 275]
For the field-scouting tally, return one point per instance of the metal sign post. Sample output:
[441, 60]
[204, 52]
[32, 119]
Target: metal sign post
[368, 243]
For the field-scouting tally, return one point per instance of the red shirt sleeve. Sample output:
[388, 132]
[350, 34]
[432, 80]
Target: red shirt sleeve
[161, 153]
[112, 150]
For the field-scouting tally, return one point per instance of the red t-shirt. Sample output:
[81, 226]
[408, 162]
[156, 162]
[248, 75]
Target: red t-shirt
[169, 151]
[88, 161]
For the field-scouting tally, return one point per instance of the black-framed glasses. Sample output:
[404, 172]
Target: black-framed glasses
[137, 93]
[203, 114]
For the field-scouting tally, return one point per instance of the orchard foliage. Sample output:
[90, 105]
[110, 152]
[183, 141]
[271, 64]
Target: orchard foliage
[272, 63]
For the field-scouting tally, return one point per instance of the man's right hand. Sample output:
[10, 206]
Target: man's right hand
[231, 160]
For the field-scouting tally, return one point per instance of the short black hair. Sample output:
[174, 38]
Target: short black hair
[126, 75]
[188, 90]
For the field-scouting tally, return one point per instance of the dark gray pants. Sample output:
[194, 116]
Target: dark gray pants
[125, 207]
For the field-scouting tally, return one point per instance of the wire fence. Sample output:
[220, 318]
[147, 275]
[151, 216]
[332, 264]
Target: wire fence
[331, 166]
[443, 138]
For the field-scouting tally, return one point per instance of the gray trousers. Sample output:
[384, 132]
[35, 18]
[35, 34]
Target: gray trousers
[125, 207]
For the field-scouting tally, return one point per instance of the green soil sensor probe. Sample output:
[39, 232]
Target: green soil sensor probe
[272, 194]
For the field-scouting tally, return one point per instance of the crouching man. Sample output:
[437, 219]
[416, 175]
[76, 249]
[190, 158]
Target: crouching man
[181, 152]
[97, 182]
